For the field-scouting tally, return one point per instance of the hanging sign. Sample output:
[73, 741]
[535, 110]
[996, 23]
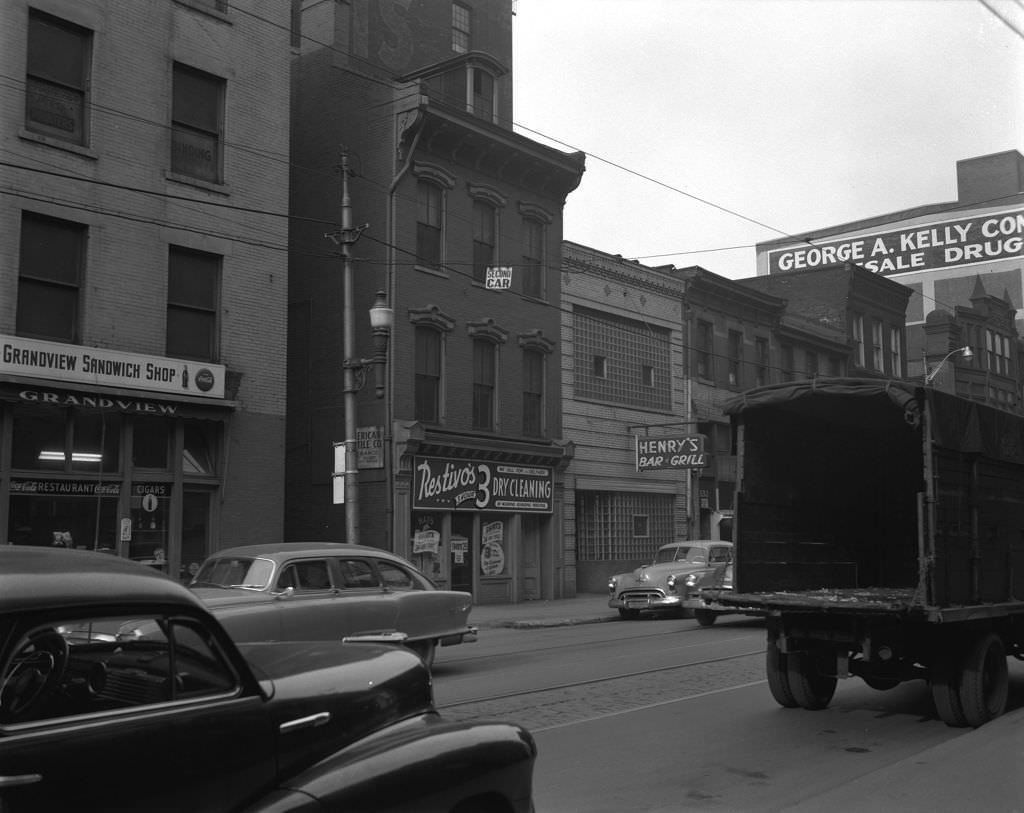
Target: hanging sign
[499, 278]
[680, 452]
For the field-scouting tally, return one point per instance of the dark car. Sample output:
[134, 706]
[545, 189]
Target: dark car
[119, 691]
[324, 591]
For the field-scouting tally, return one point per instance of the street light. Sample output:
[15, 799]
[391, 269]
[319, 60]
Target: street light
[381, 320]
[968, 355]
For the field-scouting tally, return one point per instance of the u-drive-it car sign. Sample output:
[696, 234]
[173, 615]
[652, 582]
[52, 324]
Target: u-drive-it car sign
[680, 452]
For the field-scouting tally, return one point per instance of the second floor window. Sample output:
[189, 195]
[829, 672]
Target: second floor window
[57, 84]
[484, 378]
[193, 294]
[428, 225]
[761, 361]
[50, 272]
[895, 352]
[877, 355]
[428, 375]
[735, 358]
[533, 258]
[533, 393]
[857, 326]
[483, 239]
[705, 350]
[462, 19]
[197, 124]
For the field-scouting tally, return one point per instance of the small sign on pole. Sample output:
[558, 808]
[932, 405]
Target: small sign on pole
[338, 478]
[499, 277]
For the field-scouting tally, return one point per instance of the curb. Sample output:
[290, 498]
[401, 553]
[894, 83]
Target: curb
[536, 623]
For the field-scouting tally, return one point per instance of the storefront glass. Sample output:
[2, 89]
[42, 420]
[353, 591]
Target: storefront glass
[63, 521]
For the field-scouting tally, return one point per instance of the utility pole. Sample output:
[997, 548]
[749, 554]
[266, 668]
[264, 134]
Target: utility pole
[346, 237]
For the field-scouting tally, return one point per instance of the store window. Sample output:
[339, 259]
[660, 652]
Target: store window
[65, 440]
[150, 513]
[197, 124]
[57, 81]
[199, 452]
[193, 294]
[50, 274]
[151, 438]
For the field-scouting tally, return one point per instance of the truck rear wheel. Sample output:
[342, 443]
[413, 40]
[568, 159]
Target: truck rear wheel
[776, 669]
[944, 676]
[811, 688]
[984, 682]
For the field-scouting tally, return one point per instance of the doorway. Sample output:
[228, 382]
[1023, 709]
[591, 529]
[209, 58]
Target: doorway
[460, 545]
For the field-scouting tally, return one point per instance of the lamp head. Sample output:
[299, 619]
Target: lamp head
[968, 353]
[381, 316]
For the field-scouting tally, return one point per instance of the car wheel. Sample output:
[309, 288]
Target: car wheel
[427, 650]
[629, 615]
[984, 682]
[776, 669]
[705, 617]
[812, 688]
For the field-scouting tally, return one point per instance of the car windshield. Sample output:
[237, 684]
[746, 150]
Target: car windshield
[695, 556]
[246, 572]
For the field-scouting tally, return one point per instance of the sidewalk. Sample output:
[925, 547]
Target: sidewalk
[586, 608]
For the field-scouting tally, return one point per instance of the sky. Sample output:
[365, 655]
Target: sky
[712, 125]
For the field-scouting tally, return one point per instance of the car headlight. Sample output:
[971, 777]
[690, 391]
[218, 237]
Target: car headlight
[670, 582]
[611, 584]
[692, 579]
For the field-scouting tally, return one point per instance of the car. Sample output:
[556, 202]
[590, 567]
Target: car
[673, 581]
[171, 714]
[329, 591]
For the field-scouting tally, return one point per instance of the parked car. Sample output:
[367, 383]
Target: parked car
[673, 581]
[329, 591]
[98, 715]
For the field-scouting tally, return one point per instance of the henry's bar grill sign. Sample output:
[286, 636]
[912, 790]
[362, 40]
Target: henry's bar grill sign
[986, 238]
[470, 485]
[78, 364]
[681, 452]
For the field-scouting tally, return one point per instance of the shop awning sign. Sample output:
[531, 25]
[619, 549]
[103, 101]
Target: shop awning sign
[449, 484]
[677, 452]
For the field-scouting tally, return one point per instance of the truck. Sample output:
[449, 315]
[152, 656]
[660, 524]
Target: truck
[879, 530]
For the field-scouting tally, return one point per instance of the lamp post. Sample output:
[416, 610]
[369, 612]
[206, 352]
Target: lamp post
[929, 376]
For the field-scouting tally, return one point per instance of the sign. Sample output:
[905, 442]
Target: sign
[492, 551]
[680, 452]
[370, 447]
[459, 547]
[499, 277]
[65, 488]
[468, 485]
[126, 529]
[966, 241]
[426, 542]
[79, 364]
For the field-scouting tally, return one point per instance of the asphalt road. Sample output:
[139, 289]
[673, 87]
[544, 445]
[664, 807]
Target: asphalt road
[663, 715]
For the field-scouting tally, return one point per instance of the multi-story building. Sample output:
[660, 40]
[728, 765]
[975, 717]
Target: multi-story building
[143, 245]
[462, 459]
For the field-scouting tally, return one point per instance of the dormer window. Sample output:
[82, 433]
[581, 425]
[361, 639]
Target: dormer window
[461, 28]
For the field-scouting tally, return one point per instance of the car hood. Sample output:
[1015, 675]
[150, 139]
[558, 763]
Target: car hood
[326, 695]
[656, 574]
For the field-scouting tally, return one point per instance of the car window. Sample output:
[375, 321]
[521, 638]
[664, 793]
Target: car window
[93, 665]
[236, 571]
[397, 577]
[308, 576]
[719, 555]
[357, 573]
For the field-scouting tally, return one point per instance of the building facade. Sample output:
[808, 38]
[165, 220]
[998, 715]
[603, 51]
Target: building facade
[142, 245]
[936, 250]
[462, 460]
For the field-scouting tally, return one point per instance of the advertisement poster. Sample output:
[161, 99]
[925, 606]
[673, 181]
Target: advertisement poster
[492, 550]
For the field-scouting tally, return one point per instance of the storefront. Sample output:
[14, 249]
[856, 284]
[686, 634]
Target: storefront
[111, 451]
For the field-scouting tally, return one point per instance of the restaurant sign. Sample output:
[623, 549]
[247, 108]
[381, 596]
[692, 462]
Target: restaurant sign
[949, 243]
[80, 364]
[471, 485]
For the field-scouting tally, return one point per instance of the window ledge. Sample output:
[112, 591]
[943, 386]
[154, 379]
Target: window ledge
[426, 269]
[198, 183]
[56, 143]
[205, 8]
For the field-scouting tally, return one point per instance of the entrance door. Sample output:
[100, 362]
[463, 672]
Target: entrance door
[529, 558]
[461, 547]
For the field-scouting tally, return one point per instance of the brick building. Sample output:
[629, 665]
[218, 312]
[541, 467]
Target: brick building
[142, 246]
[467, 481]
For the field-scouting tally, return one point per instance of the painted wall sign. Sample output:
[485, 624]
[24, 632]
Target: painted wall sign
[984, 238]
[471, 485]
[680, 452]
[370, 447]
[75, 363]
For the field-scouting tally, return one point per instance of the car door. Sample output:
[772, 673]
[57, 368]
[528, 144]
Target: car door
[719, 561]
[313, 611]
[369, 607]
[424, 612]
[155, 722]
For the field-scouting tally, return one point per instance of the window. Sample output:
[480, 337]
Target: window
[484, 377]
[311, 576]
[57, 84]
[857, 326]
[396, 577]
[483, 239]
[810, 364]
[877, 357]
[787, 362]
[641, 525]
[735, 358]
[193, 288]
[428, 374]
[533, 393]
[607, 523]
[49, 278]
[705, 349]
[197, 122]
[428, 224]
[533, 258]
[646, 375]
[483, 94]
[68, 440]
[761, 361]
[895, 352]
[600, 367]
[151, 443]
[461, 28]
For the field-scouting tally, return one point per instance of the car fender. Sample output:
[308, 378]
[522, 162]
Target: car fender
[422, 764]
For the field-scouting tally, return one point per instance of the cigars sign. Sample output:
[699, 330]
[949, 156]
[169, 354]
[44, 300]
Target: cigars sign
[471, 485]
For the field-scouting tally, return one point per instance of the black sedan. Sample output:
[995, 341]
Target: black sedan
[119, 691]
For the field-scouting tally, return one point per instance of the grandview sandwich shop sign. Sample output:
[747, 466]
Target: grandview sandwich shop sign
[473, 485]
[78, 364]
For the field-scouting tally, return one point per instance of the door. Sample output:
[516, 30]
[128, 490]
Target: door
[529, 558]
[460, 545]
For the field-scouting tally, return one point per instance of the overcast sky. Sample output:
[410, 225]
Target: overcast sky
[791, 115]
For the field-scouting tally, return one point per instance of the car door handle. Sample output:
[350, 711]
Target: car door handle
[313, 721]
[24, 779]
